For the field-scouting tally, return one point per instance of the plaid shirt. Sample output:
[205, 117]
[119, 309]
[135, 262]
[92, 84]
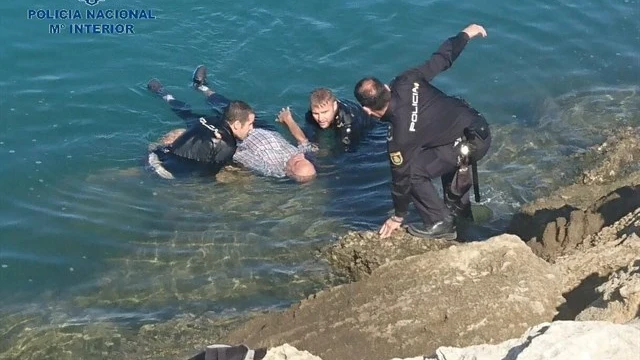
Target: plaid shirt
[267, 152]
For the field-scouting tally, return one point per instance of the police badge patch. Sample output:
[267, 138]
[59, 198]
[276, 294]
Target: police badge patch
[396, 158]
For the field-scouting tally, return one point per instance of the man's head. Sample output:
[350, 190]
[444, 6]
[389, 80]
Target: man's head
[323, 106]
[240, 117]
[300, 169]
[373, 95]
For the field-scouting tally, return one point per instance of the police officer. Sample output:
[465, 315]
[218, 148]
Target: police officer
[208, 144]
[348, 121]
[427, 129]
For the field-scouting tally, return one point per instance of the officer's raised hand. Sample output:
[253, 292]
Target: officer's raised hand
[474, 30]
[390, 226]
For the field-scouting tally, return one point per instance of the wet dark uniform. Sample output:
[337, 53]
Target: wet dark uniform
[350, 124]
[198, 151]
[425, 124]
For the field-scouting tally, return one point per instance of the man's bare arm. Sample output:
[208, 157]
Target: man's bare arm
[285, 117]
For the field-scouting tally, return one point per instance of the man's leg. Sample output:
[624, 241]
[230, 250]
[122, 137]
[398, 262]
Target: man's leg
[217, 101]
[457, 190]
[437, 219]
[480, 138]
[180, 108]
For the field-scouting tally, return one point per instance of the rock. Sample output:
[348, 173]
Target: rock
[613, 159]
[594, 260]
[619, 299]
[288, 352]
[357, 254]
[555, 341]
[554, 225]
[468, 294]
[607, 189]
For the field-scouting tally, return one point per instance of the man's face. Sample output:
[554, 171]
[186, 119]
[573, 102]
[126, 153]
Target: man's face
[241, 131]
[324, 114]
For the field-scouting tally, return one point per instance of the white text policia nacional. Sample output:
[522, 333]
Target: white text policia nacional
[91, 14]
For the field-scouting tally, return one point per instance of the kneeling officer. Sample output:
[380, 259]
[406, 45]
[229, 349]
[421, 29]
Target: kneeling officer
[427, 131]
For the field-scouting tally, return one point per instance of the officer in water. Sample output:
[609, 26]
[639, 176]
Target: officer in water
[348, 121]
[431, 135]
[209, 142]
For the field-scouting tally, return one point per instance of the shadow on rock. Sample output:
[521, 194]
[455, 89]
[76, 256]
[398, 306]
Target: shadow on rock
[580, 297]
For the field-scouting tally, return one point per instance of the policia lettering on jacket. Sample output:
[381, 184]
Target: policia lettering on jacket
[426, 130]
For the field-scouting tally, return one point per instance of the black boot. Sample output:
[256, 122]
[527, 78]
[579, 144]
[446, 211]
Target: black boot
[444, 229]
[458, 210]
[461, 211]
[155, 86]
[200, 76]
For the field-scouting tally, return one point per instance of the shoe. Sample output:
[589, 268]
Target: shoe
[200, 76]
[444, 229]
[155, 86]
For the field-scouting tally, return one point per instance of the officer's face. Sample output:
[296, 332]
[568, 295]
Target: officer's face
[324, 114]
[241, 131]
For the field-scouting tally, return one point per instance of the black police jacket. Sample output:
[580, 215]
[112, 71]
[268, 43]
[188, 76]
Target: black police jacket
[200, 144]
[422, 117]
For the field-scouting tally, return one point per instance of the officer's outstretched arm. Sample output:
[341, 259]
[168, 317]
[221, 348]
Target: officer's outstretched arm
[448, 52]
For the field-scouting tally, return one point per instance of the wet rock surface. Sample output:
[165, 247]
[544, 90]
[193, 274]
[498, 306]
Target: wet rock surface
[357, 254]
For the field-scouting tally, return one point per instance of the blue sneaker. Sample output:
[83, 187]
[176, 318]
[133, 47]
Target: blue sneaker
[200, 76]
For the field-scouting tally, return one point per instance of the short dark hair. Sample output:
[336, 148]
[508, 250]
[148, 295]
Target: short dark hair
[372, 93]
[237, 110]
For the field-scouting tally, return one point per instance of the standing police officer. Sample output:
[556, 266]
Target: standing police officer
[426, 132]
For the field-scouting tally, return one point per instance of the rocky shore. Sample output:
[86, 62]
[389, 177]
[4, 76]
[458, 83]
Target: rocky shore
[563, 282]
[566, 277]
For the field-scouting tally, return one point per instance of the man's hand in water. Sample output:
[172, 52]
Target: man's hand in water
[474, 30]
[284, 116]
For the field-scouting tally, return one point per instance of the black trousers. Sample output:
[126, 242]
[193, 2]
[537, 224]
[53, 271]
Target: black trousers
[442, 162]
[183, 110]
